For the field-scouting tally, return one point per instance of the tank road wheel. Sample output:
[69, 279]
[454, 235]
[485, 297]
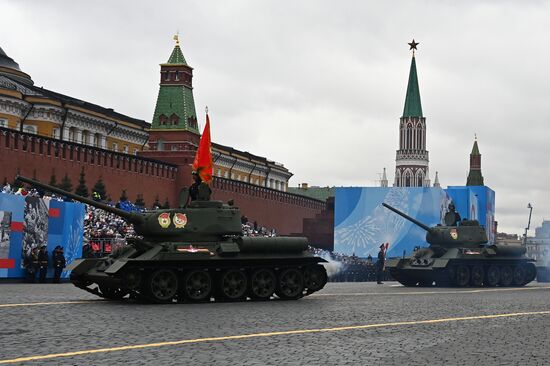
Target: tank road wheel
[233, 284]
[290, 284]
[462, 276]
[492, 277]
[315, 277]
[163, 285]
[518, 275]
[262, 284]
[132, 279]
[506, 276]
[530, 272]
[112, 293]
[198, 285]
[477, 275]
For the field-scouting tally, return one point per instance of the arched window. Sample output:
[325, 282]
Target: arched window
[408, 178]
[163, 119]
[408, 143]
[174, 119]
[72, 134]
[97, 139]
[84, 140]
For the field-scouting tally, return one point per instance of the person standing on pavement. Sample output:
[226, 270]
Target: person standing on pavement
[43, 263]
[32, 265]
[58, 263]
[380, 264]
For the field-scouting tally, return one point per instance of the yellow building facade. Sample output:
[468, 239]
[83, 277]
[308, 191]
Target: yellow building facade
[43, 112]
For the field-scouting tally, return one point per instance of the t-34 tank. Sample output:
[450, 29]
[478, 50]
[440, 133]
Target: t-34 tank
[194, 254]
[458, 256]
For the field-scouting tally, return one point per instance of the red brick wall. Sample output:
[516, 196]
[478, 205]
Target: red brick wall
[282, 211]
[32, 156]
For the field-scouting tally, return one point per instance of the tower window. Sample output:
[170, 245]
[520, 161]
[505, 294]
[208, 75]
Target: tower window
[163, 119]
[174, 119]
[167, 76]
[177, 76]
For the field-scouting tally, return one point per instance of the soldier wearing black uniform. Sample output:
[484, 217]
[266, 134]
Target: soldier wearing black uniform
[380, 264]
[32, 265]
[59, 262]
[43, 263]
[452, 218]
[199, 191]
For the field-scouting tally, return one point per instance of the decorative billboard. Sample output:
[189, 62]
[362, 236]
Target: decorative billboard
[34, 222]
[362, 224]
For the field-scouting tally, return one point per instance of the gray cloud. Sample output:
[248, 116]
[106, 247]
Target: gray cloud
[320, 85]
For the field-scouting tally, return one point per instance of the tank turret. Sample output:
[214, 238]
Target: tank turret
[196, 253]
[199, 221]
[467, 234]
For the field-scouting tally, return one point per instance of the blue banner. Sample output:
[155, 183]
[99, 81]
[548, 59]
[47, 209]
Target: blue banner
[362, 224]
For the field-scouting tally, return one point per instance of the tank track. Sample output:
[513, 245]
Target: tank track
[484, 274]
[167, 285]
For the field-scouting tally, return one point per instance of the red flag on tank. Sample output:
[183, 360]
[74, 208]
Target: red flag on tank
[203, 159]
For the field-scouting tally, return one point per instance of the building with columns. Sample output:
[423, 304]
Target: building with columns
[46, 113]
[411, 162]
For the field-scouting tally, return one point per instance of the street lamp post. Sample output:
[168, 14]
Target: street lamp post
[528, 224]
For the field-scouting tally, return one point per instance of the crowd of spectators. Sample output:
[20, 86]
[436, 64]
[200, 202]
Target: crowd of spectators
[349, 268]
[105, 231]
[253, 229]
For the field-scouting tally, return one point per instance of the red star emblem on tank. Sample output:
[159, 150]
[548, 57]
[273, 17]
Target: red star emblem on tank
[180, 220]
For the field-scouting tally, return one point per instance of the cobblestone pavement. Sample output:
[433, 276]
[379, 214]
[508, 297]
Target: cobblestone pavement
[86, 323]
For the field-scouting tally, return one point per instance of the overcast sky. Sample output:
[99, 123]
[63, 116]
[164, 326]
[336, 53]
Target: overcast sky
[320, 85]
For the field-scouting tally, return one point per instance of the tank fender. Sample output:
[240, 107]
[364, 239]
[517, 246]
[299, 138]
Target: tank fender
[81, 266]
[150, 254]
[395, 262]
[115, 267]
[440, 263]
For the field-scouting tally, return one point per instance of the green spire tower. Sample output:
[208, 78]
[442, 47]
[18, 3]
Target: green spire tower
[413, 107]
[175, 108]
[411, 163]
[474, 177]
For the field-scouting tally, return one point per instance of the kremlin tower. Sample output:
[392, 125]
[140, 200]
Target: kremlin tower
[474, 177]
[411, 168]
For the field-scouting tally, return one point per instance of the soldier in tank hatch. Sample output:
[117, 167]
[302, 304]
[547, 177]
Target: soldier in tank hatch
[452, 218]
[199, 191]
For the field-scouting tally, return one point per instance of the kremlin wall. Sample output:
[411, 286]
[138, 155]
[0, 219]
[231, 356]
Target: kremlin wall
[45, 133]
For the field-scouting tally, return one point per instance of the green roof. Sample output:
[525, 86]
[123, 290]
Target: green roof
[413, 107]
[178, 100]
[176, 58]
[475, 149]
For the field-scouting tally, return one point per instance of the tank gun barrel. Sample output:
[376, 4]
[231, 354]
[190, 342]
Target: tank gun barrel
[407, 217]
[130, 217]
